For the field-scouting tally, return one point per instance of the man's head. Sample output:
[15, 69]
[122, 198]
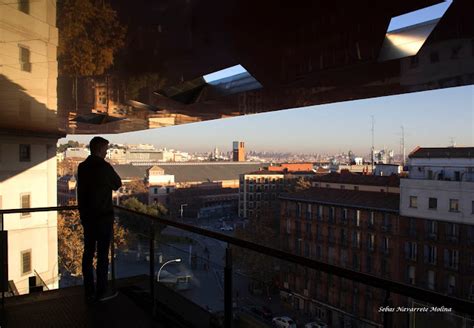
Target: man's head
[98, 146]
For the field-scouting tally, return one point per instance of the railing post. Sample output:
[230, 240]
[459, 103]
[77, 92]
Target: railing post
[387, 315]
[4, 266]
[152, 265]
[228, 288]
[112, 255]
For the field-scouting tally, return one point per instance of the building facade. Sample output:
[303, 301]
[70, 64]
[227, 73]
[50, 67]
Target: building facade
[28, 79]
[238, 151]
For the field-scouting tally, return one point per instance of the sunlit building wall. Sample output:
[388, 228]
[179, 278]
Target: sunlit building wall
[28, 73]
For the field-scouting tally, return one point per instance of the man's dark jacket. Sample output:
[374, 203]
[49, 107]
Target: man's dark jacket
[95, 181]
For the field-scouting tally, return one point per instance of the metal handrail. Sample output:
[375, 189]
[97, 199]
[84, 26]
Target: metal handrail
[431, 297]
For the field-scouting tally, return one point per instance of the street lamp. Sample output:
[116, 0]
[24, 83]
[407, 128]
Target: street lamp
[182, 208]
[170, 261]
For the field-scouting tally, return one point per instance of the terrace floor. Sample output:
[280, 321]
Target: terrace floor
[66, 308]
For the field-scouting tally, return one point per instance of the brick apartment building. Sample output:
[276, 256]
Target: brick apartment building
[415, 230]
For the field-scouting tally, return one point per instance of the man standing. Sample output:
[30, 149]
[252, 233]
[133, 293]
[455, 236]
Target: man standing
[95, 181]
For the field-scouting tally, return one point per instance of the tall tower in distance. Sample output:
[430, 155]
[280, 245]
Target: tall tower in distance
[238, 151]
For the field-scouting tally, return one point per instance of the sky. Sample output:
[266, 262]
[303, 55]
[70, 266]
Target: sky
[430, 119]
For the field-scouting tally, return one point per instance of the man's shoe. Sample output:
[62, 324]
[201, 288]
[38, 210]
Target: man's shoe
[107, 295]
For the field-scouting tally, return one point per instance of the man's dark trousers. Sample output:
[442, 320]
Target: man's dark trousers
[96, 234]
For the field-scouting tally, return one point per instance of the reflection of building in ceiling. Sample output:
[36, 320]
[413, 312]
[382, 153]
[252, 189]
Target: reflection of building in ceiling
[312, 59]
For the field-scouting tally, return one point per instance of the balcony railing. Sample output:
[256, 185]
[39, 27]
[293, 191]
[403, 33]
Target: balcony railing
[227, 274]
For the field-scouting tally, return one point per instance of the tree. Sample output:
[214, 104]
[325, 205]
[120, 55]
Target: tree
[90, 36]
[302, 184]
[69, 144]
[259, 266]
[71, 241]
[140, 225]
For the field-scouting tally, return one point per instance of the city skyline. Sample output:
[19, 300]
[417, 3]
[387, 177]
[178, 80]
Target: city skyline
[325, 128]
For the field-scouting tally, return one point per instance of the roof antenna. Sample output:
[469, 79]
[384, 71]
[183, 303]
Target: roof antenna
[372, 149]
[452, 142]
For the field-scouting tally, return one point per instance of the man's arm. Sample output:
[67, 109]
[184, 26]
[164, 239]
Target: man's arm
[115, 181]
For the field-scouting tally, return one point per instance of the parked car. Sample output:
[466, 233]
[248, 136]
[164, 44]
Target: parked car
[316, 324]
[227, 228]
[283, 322]
[262, 311]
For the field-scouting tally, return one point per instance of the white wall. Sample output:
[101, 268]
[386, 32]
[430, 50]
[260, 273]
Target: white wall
[37, 231]
[162, 179]
[443, 191]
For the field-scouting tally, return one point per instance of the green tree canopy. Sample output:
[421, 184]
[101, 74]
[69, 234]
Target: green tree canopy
[89, 36]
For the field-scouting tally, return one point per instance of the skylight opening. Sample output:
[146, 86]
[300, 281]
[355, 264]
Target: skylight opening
[406, 34]
[419, 16]
[224, 73]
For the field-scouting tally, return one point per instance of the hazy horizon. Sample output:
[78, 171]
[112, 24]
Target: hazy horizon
[430, 119]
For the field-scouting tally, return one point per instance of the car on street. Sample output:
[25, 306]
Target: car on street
[316, 324]
[283, 322]
[262, 311]
[227, 228]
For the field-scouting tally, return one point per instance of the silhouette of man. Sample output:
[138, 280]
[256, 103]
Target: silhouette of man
[95, 182]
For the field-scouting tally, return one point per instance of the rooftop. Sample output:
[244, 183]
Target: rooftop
[358, 179]
[442, 152]
[348, 198]
[194, 172]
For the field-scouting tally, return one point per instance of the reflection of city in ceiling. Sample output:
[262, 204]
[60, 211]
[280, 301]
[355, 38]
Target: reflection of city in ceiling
[322, 54]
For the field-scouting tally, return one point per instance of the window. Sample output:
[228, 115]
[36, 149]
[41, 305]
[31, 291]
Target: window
[472, 207]
[25, 63]
[452, 231]
[451, 285]
[298, 210]
[371, 219]
[413, 201]
[332, 212]
[320, 212]
[451, 258]
[308, 211]
[454, 205]
[357, 218]
[26, 262]
[155, 190]
[386, 245]
[356, 239]
[411, 275]
[24, 6]
[414, 61]
[288, 226]
[371, 242]
[432, 228]
[411, 250]
[344, 214]
[430, 254]
[432, 203]
[431, 279]
[25, 153]
[25, 200]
